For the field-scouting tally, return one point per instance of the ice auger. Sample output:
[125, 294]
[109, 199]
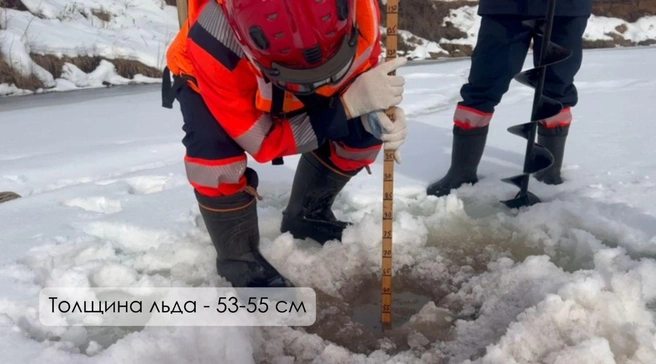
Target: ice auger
[537, 157]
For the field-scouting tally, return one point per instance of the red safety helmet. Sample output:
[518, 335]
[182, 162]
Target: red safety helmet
[300, 45]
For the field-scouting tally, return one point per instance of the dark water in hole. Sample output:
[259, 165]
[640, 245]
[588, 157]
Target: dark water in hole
[354, 322]
[405, 304]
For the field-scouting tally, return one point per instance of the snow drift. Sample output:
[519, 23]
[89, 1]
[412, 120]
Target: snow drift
[114, 30]
[602, 31]
[141, 31]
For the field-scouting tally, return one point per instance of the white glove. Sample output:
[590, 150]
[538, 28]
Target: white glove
[375, 89]
[392, 133]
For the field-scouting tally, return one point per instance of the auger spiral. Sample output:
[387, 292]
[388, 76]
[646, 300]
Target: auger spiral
[537, 157]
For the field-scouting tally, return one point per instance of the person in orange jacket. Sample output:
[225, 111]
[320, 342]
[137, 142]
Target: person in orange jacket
[276, 78]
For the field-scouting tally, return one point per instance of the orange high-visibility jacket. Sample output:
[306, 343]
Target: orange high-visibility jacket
[240, 98]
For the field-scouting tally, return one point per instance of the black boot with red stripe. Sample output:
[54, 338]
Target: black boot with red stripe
[553, 139]
[232, 224]
[467, 150]
[309, 211]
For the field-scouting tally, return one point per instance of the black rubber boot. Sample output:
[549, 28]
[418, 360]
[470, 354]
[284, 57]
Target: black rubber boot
[554, 140]
[467, 150]
[232, 224]
[308, 213]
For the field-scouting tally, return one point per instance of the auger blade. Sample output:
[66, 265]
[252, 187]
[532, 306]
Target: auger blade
[548, 108]
[529, 78]
[516, 180]
[521, 200]
[537, 157]
[541, 159]
[555, 53]
[521, 130]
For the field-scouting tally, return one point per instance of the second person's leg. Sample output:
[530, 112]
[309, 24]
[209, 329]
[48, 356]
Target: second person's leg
[498, 56]
[559, 85]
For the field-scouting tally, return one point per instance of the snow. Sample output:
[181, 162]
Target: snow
[466, 19]
[6, 89]
[599, 27]
[571, 280]
[422, 47]
[104, 73]
[142, 30]
[16, 54]
[136, 30]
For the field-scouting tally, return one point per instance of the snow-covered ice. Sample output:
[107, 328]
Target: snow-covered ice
[570, 280]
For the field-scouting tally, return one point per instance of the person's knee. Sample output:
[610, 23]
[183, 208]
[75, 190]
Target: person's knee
[214, 163]
[351, 159]
[217, 177]
[350, 154]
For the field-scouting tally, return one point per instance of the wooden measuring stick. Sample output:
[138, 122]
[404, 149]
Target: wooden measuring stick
[388, 178]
